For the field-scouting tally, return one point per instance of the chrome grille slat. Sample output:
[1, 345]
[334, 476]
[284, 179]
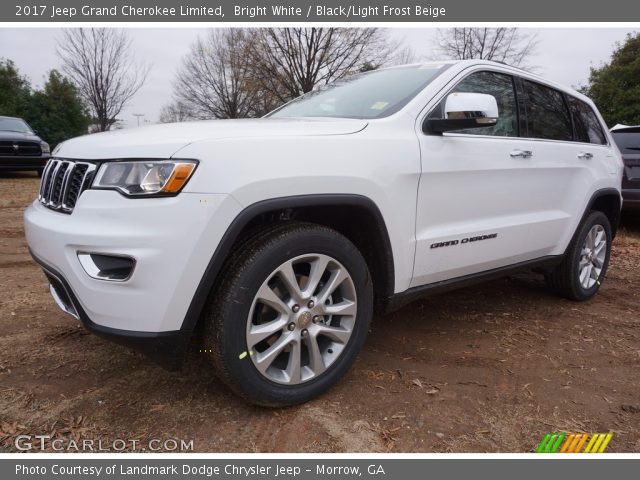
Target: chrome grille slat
[43, 182]
[71, 166]
[58, 181]
[52, 181]
[63, 181]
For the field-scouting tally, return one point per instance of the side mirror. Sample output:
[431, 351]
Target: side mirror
[464, 110]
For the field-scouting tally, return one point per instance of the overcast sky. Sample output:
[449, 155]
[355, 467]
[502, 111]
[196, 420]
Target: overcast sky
[563, 54]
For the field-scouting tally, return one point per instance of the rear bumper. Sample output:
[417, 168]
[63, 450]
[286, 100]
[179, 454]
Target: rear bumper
[23, 163]
[631, 200]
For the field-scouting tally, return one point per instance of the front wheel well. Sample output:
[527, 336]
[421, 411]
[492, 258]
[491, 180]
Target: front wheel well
[355, 217]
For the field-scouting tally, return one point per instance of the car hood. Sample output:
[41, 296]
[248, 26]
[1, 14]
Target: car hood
[164, 140]
[17, 136]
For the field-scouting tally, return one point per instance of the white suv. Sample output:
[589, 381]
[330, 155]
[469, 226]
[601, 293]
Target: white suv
[279, 237]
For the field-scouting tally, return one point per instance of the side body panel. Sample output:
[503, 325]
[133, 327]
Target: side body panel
[481, 208]
[381, 162]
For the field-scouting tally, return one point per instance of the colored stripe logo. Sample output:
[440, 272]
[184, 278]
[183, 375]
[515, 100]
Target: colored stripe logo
[574, 443]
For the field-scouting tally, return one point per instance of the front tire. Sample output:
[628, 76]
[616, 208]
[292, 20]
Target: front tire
[585, 264]
[290, 315]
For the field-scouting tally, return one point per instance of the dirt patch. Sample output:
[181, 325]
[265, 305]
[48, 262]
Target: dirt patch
[486, 369]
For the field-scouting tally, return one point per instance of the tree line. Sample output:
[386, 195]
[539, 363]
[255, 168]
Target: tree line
[245, 72]
[56, 111]
[98, 78]
[249, 72]
[237, 73]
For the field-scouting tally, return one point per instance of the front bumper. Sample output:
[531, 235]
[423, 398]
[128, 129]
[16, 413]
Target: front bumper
[166, 348]
[171, 239]
[23, 163]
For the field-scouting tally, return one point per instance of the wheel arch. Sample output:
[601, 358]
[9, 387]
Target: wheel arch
[609, 202]
[358, 218]
[605, 200]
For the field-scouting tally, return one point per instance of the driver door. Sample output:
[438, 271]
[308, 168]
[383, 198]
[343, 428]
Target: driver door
[485, 199]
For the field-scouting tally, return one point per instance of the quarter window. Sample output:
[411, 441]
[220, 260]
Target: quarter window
[586, 124]
[547, 113]
[501, 87]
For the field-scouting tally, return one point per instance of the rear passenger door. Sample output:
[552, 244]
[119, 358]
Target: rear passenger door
[571, 149]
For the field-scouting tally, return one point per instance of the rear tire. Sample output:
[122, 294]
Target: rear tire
[307, 290]
[585, 263]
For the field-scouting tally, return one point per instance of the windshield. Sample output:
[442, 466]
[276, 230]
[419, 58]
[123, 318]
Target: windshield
[374, 94]
[14, 125]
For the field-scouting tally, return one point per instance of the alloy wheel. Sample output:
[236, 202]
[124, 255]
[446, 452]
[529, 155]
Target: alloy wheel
[592, 256]
[301, 319]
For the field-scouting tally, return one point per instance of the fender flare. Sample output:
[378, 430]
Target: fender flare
[232, 233]
[603, 192]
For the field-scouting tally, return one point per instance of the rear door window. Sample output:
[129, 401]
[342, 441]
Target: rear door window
[586, 124]
[547, 113]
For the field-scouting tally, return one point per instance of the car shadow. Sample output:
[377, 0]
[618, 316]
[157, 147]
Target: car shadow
[18, 175]
[630, 222]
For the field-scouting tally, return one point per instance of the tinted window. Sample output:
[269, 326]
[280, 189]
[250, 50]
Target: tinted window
[8, 124]
[586, 124]
[501, 87]
[547, 114]
[369, 95]
[628, 141]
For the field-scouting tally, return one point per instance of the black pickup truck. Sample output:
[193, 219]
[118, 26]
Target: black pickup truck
[20, 147]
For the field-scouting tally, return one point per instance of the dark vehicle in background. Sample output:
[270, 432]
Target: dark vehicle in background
[20, 146]
[628, 141]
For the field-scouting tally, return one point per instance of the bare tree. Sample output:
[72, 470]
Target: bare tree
[176, 111]
[402, 54]
[291, 61]
[507, 45]
[235, 73]
[215, 79]
[100, 63]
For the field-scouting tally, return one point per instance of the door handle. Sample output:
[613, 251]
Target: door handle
[585, 156]
[521, 153]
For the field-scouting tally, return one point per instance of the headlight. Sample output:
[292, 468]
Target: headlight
[142, 177]
[44, 147]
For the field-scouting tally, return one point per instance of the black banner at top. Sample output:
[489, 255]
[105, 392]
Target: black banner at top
[334, 11]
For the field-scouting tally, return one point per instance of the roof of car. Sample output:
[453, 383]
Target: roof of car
[13, 118]
[619, 128]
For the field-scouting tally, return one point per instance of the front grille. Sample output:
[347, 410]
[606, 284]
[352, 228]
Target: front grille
[9, 148]
[62, 183]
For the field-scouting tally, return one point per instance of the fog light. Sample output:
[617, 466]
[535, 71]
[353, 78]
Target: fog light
[115, 268]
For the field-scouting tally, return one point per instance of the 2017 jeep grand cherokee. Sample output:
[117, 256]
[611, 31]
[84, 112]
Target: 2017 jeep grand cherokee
[279, 236]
